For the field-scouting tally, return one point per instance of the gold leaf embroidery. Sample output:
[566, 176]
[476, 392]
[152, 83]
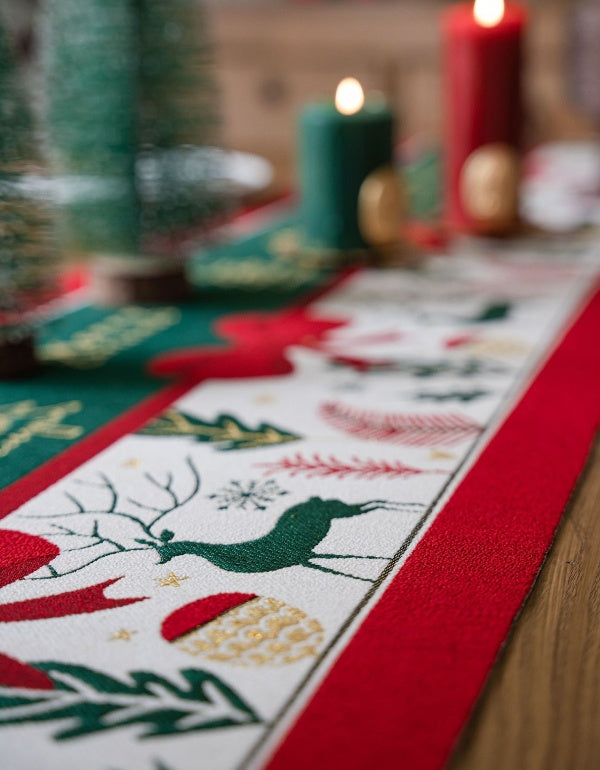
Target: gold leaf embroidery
[42, 421]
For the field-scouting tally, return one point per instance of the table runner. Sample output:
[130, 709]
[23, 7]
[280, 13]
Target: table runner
[309, 549]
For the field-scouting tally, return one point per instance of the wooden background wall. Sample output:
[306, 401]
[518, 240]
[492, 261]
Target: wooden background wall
[272, 57]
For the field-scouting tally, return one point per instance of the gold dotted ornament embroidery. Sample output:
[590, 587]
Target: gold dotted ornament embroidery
[260, 632]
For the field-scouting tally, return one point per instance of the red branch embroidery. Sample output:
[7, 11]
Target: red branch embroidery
[331, 466]
[406, 429]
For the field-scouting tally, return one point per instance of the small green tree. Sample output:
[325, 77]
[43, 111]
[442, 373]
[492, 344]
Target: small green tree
[91, 120]
[131, 98]
[178, 113]
[27, 257]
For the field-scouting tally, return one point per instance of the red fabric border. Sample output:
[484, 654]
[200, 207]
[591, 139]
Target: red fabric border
[402, 689]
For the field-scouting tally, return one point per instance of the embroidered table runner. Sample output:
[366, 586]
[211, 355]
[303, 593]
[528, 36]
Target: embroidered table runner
[307, 551]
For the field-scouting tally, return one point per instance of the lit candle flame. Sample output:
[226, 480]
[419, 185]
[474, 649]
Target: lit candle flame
[488, 13]
[349, 97]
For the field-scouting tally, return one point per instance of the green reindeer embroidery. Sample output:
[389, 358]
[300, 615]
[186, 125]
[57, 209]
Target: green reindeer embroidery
[292, 542]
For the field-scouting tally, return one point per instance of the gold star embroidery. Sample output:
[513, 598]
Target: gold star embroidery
[498, 347]
[122, 634]
[438, 454]
[173, 580]
[265, 398]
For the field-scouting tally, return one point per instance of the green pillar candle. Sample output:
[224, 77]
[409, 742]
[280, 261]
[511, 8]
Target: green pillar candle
[337, 153]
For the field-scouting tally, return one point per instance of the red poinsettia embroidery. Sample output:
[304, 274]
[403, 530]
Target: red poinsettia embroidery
[258, 345]
[20, 555]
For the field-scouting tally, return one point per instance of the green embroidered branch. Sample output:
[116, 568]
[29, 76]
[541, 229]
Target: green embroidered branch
[227, 432]
[97, 540]
[86, 701]
[176, 502]
[150, 539]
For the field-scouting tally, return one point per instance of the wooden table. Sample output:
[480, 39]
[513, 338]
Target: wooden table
[540, 709]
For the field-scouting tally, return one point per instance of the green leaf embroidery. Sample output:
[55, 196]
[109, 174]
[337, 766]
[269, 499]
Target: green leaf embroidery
[456, 395]
[226, 431]
[496, 311]
[94, 702]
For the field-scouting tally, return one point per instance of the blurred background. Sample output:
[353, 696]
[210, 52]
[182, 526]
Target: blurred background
[273, 56]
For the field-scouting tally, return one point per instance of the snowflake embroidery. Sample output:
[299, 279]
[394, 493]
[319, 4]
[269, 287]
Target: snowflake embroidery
[253, 493]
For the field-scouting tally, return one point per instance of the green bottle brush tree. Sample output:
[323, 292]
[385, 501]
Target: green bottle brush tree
[131, 118]
[27, 255]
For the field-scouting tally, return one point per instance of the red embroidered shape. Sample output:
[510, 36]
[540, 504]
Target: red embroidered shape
[21, 554]
[259, 342]
[83, 600]
[201, 612]
[331, 466]
[13, 673]
[406, 429]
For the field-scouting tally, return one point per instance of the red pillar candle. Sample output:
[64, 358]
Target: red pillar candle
[483, 54]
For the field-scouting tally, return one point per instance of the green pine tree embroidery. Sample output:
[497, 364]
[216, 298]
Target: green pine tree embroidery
[226, 431]
[87, 701]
